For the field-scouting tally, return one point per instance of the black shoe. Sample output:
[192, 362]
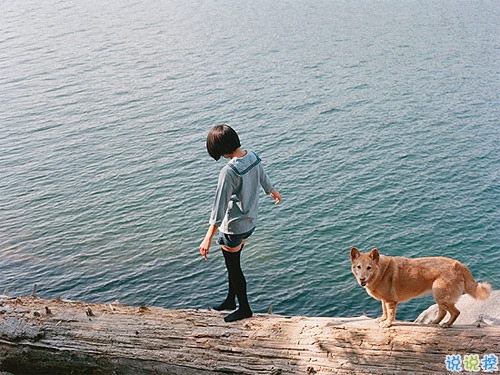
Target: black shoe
[238, 315]
[225, 306]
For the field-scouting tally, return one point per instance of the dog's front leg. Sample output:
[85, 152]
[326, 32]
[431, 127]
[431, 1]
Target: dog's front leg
[390, 312]
[384, 314]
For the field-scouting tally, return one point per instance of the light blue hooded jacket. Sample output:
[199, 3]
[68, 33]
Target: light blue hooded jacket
[236, 201]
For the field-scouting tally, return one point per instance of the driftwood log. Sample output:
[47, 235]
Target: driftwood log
[61, 337]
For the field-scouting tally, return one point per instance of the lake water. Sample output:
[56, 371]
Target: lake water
[378, 121]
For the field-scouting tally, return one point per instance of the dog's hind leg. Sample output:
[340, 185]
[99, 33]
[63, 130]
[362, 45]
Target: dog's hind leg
[446, 306]
[446, 293]
[440, 316]
[454, 313]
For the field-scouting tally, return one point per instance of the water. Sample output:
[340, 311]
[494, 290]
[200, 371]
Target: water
[378, 121]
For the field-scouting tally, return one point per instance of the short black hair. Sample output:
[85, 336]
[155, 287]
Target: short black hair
[221, 140]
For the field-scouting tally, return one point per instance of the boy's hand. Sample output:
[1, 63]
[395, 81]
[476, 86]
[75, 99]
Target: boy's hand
[205, 248]
[207, 241]
[276, 196]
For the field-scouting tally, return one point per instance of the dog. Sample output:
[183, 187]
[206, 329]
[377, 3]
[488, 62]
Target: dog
[398, 279]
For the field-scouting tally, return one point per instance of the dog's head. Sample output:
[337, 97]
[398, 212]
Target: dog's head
[364, 266]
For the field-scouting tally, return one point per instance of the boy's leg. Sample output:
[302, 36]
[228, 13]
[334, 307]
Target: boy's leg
[239, 285]
[229, 303]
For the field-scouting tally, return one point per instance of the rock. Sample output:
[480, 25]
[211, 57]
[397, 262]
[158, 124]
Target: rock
[472, 311]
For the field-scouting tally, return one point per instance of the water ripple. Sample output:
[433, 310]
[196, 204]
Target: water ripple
[377, 122]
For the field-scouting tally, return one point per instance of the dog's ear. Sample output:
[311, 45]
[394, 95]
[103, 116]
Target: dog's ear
[375, 255]
[354, 254]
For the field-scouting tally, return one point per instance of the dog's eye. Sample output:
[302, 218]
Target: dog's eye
[369, 267]
[359, 267]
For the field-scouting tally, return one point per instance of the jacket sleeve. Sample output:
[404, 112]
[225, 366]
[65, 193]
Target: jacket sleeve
[225, 188]
[265, 181]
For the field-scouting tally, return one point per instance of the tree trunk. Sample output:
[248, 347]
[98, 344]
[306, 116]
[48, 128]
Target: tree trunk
[60, 337]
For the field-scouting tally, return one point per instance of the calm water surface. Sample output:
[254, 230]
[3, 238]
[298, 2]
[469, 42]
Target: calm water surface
[377, 120]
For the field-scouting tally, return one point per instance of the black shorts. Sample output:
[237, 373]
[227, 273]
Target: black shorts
[233, 240]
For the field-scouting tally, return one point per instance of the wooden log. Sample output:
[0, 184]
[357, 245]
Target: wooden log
[61, 337]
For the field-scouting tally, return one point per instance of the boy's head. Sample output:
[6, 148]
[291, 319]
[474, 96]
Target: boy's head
[222, 140]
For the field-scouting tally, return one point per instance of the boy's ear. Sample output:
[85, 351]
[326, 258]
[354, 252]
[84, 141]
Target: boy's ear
[354, 254]
[375, 255]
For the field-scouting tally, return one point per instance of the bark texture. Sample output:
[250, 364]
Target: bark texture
[60, 337]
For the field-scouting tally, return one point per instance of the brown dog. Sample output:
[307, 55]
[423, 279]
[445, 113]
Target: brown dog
[398, 279]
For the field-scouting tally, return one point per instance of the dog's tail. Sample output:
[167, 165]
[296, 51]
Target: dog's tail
[477, 290]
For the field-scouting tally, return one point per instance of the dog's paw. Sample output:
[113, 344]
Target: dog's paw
[385, 324]
[381, 319]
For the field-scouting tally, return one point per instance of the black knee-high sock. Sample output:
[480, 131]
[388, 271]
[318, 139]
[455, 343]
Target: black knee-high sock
[229, 303]
[239, 285]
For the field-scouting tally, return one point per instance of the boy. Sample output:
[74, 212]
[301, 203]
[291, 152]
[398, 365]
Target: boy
[234, 212]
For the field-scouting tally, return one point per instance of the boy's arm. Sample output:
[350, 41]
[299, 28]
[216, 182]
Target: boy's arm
[207, 241]
[225, 187]
[267, 185]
